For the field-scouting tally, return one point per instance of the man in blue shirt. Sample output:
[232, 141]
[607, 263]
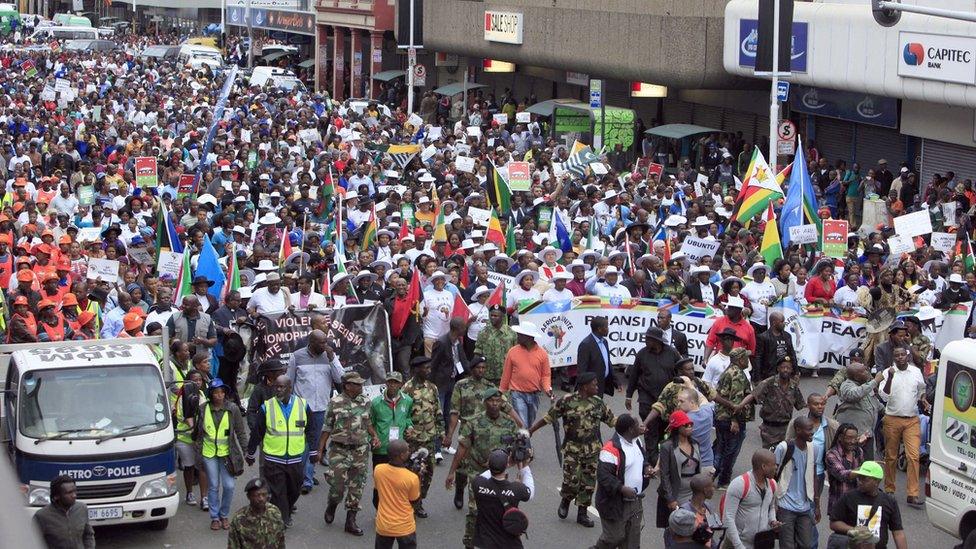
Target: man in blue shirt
[795, 491]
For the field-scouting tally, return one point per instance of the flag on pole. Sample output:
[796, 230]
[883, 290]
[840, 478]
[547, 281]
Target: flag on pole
[771, 249]
[592, 236]
[494, 233]
[208, 265]
[326, 191]
[440, 225]
[233, 282]
[662, 235]
[560, 234]
[969, 260]
[800, 207]
[497, 296]
[183, 285]
[460, 309]
[404, 306]
[630, 255]
[284, 251]
[167, 238]
[510, 247]
[499, 194]
[369, 234]
[758, 189]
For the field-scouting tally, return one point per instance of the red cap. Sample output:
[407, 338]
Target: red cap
[419, 231]
[21, 300]
[678, 419]
[42, 304]
[25, 276]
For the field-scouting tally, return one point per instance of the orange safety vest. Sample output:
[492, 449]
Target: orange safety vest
[6, 270]
[28, 321]
[54, 333]
[73, 324]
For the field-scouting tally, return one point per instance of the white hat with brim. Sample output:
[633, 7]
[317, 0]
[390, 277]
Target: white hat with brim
[617, 253]
[351, 195]
[591, 253]
[756, 267]
[266, 266]
[956, 278]
[365, 274]
[386, 232]
[437, 275]
[549, 249]
[702, 221]
[734, 301]
[339, 278]
[269, 219]
[675, 220]
[207, 199]
[468, 244]
[482, 290]
[699, 269]
[526, 273]
[489, 247]
[245, 292]
[426, 178]
[527, 329]
[578, 263]
[611, 270]
[562, 275]
[501, 257]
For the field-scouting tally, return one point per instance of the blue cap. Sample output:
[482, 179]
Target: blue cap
[217, 383]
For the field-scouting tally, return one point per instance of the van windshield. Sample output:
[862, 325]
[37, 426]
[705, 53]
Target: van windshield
[96, 402]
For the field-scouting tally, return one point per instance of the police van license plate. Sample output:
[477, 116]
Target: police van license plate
[105, 513]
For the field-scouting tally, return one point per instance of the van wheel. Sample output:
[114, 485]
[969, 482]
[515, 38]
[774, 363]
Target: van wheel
[157, 525]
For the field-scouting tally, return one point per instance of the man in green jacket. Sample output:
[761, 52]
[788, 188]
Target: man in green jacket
[390, 414]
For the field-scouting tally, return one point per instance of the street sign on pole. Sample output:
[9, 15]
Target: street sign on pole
[782, 91]
[412, 56]
[596, 94]
[786, 129]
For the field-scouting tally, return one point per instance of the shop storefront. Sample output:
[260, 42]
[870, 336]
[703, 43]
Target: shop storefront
[355, 44]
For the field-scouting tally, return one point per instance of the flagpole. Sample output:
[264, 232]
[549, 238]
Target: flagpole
[301, 249]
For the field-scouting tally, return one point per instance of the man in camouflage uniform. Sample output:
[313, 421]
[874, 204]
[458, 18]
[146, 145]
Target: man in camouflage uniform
[488, 431]
[466, 403]
[778, 395]
[424, 415]
[730, 416]
[667, 402]
[582, 413]
[258, 524]
[920, 345]
[672, 285]
[348, 426]
[493, 343]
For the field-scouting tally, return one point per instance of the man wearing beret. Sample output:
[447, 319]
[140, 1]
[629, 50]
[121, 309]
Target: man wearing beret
[258, 524]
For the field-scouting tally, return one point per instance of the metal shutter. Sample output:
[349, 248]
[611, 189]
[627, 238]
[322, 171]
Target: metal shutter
[835, 139]
[676, 112]
[940, 157]
[874, 143]
[745, 122]
[705, 115]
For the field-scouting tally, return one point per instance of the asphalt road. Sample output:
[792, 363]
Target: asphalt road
[191, 526]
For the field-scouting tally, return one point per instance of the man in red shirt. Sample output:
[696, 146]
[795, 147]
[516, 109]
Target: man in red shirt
[527, 372]
[732, 319]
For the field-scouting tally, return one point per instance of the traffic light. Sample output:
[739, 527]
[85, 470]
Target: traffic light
[886, 17]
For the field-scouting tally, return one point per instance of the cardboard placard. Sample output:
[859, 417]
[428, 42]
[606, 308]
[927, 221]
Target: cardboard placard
[415, 120]
[309, 135]
[519, 176]
[246, 136]
[62, 85]
[428, 153]
[89, 234]
[474, 131]
[186, 185]
[434, 133]
[599, 168]
[804, 234]
[655, 169]
[901, 244]
[913, 224]
[141, 256]
[701, 185]
[86, 195]
[835, 237]
[523, 117]
[146, 171]
[944, 242]
[696, 248]
[500, 118]
[949, 213]
[479, 216]
[106, 270]
[464, 164]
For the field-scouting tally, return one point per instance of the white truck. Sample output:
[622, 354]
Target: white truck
[97, 411]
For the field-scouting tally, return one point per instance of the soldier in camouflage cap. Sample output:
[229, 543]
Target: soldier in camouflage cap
[582, 413]
[258, 524]
[424, 416]
[667, 402]
[779, 396]
[730, 417]
[488, 431]
[348, 426]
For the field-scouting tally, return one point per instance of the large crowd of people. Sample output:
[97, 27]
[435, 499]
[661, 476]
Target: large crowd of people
[387, 209]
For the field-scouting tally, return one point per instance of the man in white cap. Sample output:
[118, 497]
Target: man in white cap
[559, 292]
[526, 372]
[608, 285]
[435, 308]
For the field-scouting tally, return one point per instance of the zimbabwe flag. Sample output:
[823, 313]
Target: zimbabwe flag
[499, 195]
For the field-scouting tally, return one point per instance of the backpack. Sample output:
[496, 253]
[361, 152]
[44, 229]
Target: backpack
[745, 490]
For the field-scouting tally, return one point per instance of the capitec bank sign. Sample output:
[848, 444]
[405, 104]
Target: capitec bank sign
[937, 57]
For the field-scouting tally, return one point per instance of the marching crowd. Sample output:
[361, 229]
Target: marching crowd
[310, 203]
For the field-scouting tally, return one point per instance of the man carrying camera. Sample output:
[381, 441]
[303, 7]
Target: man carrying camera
[488, 431]
[498, 525]
[398, 488]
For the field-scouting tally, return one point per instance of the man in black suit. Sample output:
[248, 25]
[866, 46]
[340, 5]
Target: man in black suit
[672, 337]
[593, 356]
[699, 289]
[447, 364]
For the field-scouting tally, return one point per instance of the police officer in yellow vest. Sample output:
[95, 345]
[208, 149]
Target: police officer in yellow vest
[219, 437]
[283, 436]
[190, 397]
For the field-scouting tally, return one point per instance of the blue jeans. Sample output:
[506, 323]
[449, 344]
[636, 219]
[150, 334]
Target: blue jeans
[219, 478]
[317, 419]
[726, 449]
[526, 405]
[444, 398]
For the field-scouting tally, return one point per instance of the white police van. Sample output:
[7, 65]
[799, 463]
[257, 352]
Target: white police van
[97, 411]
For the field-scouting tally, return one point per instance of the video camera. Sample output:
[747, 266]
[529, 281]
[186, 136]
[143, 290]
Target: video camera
[418, 461]
[519, 447]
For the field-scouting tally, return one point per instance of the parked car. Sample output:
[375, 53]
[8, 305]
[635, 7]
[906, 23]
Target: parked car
[161, 51]
[90, 45]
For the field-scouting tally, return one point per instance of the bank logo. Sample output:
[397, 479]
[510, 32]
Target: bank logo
[914, 54]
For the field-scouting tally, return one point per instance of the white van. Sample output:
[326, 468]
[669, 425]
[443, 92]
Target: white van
[279, 78]
[97, 411]
[951, 489]
[197, 56]
[44, 34]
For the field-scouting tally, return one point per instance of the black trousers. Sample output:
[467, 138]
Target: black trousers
[403, 542]
[377, 459]
[284, 485]
[228, 371]
[652, 436]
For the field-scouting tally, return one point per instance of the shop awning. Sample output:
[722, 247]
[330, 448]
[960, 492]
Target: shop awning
[275, 56]
[545, 108]
[386, 76]
[454, 89]
[307, 64]
[679, 131]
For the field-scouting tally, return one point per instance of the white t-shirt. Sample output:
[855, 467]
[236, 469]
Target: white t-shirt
[716, 366]
[265, 303]
[846, 297]
[437, 307]
[480, 314]
[758, 292]
[553, 294]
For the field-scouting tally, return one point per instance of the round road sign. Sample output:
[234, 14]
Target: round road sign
[786, 129]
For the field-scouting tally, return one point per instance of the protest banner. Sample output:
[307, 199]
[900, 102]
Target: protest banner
[359, 334]
[519, 176]
[944, 242]
[464, 164]
[105, 270]
[168, 265]
[523, 117]
[187, 185]
[834, 237]
[913, 224]
[804, 234]
[141, 256]
[696, 248]
[86, 195]
[479, 216]
[499, 278]
[146, 173]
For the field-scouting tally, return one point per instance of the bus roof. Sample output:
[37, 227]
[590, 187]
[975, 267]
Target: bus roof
[83, 355]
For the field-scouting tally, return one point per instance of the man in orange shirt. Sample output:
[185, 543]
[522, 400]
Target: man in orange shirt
[526, 372]
[398, 489]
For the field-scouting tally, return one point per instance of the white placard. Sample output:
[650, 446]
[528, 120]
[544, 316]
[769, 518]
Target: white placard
[913, 224]
[434, 133]
[462, 148]
[523, 117]
[415, 120]
[309, 135]
[89, 234]
[598, 168]
[701, 183]
[500, 118]
[900, 244]
[474, 131]
[169, 265]
[428, 153]
[944, 242]
[106, 270]
[804, 234]
[558, 170]
[62, 85]
[464, 164]
[696, 248]
[246, 136]
[479, 216]
[141, 255]
[949, 213]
